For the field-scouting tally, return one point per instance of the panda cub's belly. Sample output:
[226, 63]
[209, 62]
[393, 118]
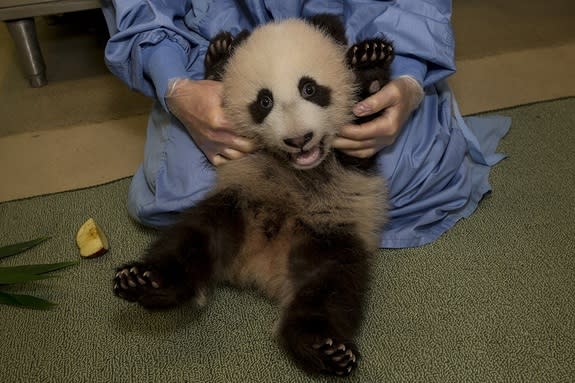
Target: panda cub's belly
[263, 261]
[279, 206]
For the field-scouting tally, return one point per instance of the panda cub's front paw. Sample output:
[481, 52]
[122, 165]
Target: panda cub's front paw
[219, 48]
[369, 54]
[150, 287]
[133, 281]
[370, 61]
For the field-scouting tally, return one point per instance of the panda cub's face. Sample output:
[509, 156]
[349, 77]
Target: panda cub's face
[287, 87]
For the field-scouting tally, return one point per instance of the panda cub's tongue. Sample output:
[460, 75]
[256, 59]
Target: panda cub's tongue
[307, 157]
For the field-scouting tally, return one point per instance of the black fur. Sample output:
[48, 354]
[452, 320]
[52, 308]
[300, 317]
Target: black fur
[367, 165]
[179, 265]
[331, 267]
[331, 24]
[314, 92]
[262, 105]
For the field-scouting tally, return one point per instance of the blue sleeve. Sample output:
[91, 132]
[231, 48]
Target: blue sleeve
[150, 43]
[419, 29]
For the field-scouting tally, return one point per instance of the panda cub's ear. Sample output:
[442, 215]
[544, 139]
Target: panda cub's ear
[331, 24]
[219, 51]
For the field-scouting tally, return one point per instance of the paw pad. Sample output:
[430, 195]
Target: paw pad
[131, 281]
[219, 47]
[338, 358]
[370, 53]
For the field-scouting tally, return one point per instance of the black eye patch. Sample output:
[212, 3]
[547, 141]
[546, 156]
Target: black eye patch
[313, 92]
[262, 106]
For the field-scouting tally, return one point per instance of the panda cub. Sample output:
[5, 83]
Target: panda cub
[296, 220]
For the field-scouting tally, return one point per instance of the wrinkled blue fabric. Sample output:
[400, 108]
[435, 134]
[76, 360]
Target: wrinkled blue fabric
[437, 170]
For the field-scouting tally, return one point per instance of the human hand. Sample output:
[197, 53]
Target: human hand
[198, 106]
[397, 100]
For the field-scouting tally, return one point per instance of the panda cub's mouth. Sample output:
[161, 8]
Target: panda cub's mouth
[308, 158]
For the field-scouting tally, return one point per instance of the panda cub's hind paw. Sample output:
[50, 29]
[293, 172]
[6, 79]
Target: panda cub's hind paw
[338, 359]
[369, 54]
[319, 354]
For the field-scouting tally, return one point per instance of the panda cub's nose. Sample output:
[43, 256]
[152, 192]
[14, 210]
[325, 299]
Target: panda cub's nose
[299, 142]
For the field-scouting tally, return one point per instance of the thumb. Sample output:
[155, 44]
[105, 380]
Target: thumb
[384, 98]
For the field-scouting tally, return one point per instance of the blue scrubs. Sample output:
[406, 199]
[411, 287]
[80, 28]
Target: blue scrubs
[437, 170]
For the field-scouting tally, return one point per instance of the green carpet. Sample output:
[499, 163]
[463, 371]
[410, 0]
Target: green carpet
[492, 300]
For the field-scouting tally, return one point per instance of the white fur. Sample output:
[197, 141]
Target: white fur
[276, 56]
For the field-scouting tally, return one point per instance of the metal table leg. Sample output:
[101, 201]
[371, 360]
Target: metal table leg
[23, 33]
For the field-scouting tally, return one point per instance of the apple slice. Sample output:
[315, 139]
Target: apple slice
[91, 240]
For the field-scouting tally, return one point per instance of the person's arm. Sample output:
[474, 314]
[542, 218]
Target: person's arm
[150, 44]
[156, 53]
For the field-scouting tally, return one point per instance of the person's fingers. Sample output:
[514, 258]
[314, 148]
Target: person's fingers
[343, 143]
[218, 160]
[244, 144]
[217, 120]
[384, 98]
[231, 154]
[226, 139]
[387, 126]
[359, 132]
[362, 153]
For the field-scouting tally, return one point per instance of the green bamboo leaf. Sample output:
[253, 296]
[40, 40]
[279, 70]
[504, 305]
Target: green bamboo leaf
[7, 251]
[9, 277]
[39, 268]
[25, 301]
